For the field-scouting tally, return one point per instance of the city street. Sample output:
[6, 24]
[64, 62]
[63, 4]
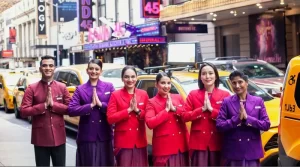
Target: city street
[15, 146]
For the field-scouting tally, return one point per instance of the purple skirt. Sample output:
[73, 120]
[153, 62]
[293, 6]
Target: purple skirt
[180, 159]
[132, 157]
[244, 163]
[206, 158]
[95, 154]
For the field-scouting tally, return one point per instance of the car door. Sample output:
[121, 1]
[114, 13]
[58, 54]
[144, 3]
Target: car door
[20, 94]
[1, 91]
[72, 83]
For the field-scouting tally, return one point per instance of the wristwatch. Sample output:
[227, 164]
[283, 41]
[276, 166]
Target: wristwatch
[138, 112]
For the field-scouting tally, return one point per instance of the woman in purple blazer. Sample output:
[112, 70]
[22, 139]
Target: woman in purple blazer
[94, 139]
[241, 118]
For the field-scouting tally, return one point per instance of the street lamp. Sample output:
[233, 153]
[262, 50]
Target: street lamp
[57, 34]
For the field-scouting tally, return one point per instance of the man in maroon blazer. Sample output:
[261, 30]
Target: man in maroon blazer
[47, 101]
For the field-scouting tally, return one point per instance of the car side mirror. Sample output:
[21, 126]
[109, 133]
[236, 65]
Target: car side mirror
[21, 88]
[1, 86]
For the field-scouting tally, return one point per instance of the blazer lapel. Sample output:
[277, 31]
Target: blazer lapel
[125, 95]
[88, 90]
[159, 100]
[250, 103]
[235, 103]
[201, 96]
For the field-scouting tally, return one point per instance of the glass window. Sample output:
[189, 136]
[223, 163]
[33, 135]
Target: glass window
[259, 70]
[62, 77]
[115, 73]
[74, 81]
[149, 87]
[297, 89]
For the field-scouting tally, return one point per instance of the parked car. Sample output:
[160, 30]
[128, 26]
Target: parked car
[22, 84]
[76, 75]
[7, 87]
[260, 72]
[288, 129]
[185, 81]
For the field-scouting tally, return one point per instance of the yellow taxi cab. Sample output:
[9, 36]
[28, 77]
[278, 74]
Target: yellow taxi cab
[76, 75]
[289, 127]
[185, 81]
[8, 82]
[21, 86]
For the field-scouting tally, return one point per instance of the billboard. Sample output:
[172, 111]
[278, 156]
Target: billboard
[267, 37]
[12, 35]
[150, 8]
[85, 14]
[41, 19]
[67, 9]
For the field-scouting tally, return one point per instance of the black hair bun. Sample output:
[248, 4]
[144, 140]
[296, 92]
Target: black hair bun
[169, 73]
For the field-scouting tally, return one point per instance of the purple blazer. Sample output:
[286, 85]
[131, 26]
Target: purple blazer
[93, 123]
[241, 139]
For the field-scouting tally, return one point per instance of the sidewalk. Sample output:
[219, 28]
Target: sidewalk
[16, 148]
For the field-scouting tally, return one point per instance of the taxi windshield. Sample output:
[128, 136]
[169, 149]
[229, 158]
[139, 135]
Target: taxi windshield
[259, 70]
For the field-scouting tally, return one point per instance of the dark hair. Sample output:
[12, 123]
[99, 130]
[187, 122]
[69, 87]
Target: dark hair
[96, 61]
[46, 57]
[163, 74]
[128, 68]
[238, 74]
[217, 81]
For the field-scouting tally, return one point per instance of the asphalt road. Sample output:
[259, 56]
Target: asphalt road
[15, 142]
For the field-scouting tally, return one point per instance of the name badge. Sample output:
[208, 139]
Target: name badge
[107, 93]
[141, 104]
[219, 102]
[257, 107]
[59, 97]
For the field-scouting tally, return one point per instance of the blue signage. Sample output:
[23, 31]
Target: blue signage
[147, 29]
[110, 44]
[67, 9]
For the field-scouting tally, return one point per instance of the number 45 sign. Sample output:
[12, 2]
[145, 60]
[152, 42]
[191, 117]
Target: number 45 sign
[151, 8]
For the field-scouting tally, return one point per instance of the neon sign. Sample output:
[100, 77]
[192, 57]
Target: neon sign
[85, 16]
[110, 44]
[151, 8]
[152, 40]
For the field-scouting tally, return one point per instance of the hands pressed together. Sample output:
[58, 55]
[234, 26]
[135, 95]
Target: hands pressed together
[49, 100]
[207, 104]
[95, 101]
[133, 105]
[169, 105]
[243, 113]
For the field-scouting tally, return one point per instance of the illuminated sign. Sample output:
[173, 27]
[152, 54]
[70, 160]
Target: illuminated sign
[41, 19]
[110, 44]
[7, 53]
[152, 40]
[85, 16]
[186, 28]
[151, 8]
[147, 29]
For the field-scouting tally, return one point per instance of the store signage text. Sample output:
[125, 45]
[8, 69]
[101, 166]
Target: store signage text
[151, 8]
[110, 44]
[187, 28]
[85, 17]
[41, 25]
[148, 29]
[152, 40]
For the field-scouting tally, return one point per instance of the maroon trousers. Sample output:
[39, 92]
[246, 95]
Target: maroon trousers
[132, 157]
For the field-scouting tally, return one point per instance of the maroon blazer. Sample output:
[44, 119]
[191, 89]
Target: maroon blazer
[48, 125]
[130, 129]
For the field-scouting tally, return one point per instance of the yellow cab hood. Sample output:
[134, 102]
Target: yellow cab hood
[273, 110]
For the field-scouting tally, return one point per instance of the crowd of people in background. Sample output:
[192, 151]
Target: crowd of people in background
[225, 129]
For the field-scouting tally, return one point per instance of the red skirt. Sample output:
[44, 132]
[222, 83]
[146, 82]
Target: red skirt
[180, 159]
[131, 157]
